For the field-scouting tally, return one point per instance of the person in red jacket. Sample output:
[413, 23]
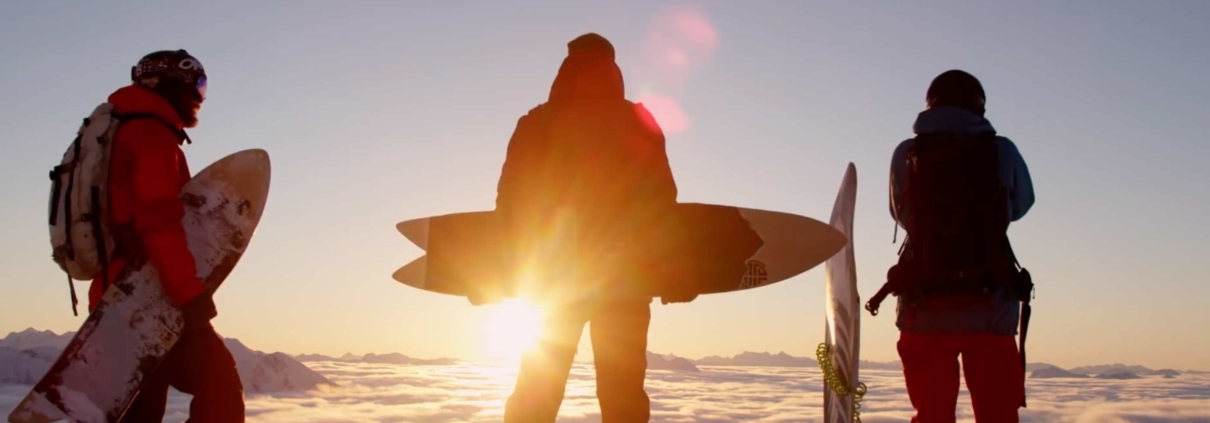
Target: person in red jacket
[147, 171]
[591, 151]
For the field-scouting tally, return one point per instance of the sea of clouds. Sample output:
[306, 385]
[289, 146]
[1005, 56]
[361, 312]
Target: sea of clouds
[373, 392]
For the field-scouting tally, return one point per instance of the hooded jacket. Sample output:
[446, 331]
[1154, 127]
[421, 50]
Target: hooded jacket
[998, 314]
[146, 173]
[587, 148]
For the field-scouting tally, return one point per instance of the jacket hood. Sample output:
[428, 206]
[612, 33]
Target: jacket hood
[588, 56]
[950, 119]
[136, 99]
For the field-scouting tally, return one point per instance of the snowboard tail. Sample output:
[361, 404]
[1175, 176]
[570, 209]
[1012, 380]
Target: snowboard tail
[123, 341]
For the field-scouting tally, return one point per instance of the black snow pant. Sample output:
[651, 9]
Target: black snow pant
[619, 346]
[200, 365]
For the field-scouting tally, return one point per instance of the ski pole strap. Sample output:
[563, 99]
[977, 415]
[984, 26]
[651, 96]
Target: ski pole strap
[834, 381]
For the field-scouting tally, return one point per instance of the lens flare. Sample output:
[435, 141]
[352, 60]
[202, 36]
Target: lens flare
[680, 39]
[512, 328]
[667, 113]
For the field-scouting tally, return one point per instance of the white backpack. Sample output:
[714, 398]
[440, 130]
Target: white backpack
[79, 199]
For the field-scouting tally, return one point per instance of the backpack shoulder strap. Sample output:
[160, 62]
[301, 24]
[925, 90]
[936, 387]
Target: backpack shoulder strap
[181, 134]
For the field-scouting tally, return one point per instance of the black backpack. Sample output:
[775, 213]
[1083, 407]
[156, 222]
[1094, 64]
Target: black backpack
[955, 210]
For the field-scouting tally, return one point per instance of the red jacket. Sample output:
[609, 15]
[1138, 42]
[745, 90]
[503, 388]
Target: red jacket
[146, 172]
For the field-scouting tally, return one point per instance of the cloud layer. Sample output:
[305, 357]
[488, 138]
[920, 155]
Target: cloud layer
[400, 393]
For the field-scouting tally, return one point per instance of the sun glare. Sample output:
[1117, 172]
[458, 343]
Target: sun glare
[511, 329]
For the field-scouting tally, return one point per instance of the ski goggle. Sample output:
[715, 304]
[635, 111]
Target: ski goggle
[201, 88]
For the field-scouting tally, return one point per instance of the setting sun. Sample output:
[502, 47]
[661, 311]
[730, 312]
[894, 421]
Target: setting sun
[511, 329]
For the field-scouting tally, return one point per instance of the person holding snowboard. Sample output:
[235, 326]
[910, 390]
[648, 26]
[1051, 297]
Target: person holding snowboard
[147, 170]
[590, 150]
[954, 188]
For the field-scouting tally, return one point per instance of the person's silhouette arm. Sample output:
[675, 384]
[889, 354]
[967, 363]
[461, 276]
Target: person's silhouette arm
[660, 186]
[1017, 179]
[520, 162]
[898, 177]
[516, 196]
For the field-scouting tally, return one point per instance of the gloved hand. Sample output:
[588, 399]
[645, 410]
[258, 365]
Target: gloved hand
[677, 298]
[676, 275]
[200, 310]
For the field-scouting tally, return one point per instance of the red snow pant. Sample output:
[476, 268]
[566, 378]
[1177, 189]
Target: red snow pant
[200, 365]
[990, 362]
[619, 347]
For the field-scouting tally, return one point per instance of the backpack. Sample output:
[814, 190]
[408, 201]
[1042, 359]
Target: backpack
[957, 221]
[81, 241]
[957, 217]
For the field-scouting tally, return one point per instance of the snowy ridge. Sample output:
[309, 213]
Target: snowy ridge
[26, 356]
[32, 338]
[1054, 372]
[763, 359]
[275, 372]
[1104, 371]
[669, 362]
[1118, 368]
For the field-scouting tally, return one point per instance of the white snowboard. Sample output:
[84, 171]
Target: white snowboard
[842, 336]
[135, 325]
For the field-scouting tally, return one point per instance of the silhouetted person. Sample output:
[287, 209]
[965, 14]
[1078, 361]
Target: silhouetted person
[954, 188]
[589, 150]
[147, 171]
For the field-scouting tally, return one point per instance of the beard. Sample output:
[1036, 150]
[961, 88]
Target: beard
[184, 100]
[189, 115]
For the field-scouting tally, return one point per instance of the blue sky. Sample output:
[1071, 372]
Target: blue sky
[377, 112]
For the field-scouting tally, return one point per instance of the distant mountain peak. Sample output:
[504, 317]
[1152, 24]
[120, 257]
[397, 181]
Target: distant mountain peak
[1053, 372]
[669, 362]
[757, 359]
[33, 338]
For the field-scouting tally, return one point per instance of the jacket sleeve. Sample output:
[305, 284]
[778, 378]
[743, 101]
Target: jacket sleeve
[1015, 174]
[519, 163]
[158, 210]
[898, 173]
[661, 186]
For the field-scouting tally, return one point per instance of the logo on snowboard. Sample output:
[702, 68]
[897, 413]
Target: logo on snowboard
[755, 276]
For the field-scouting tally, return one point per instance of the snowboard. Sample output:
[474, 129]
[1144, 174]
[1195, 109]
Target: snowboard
[723, 248]
[124, 339]
[842, 336]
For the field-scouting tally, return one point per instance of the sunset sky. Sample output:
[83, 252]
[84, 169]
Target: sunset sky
[378, 112]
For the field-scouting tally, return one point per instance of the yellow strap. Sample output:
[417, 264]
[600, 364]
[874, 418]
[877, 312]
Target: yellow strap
[832, 379]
